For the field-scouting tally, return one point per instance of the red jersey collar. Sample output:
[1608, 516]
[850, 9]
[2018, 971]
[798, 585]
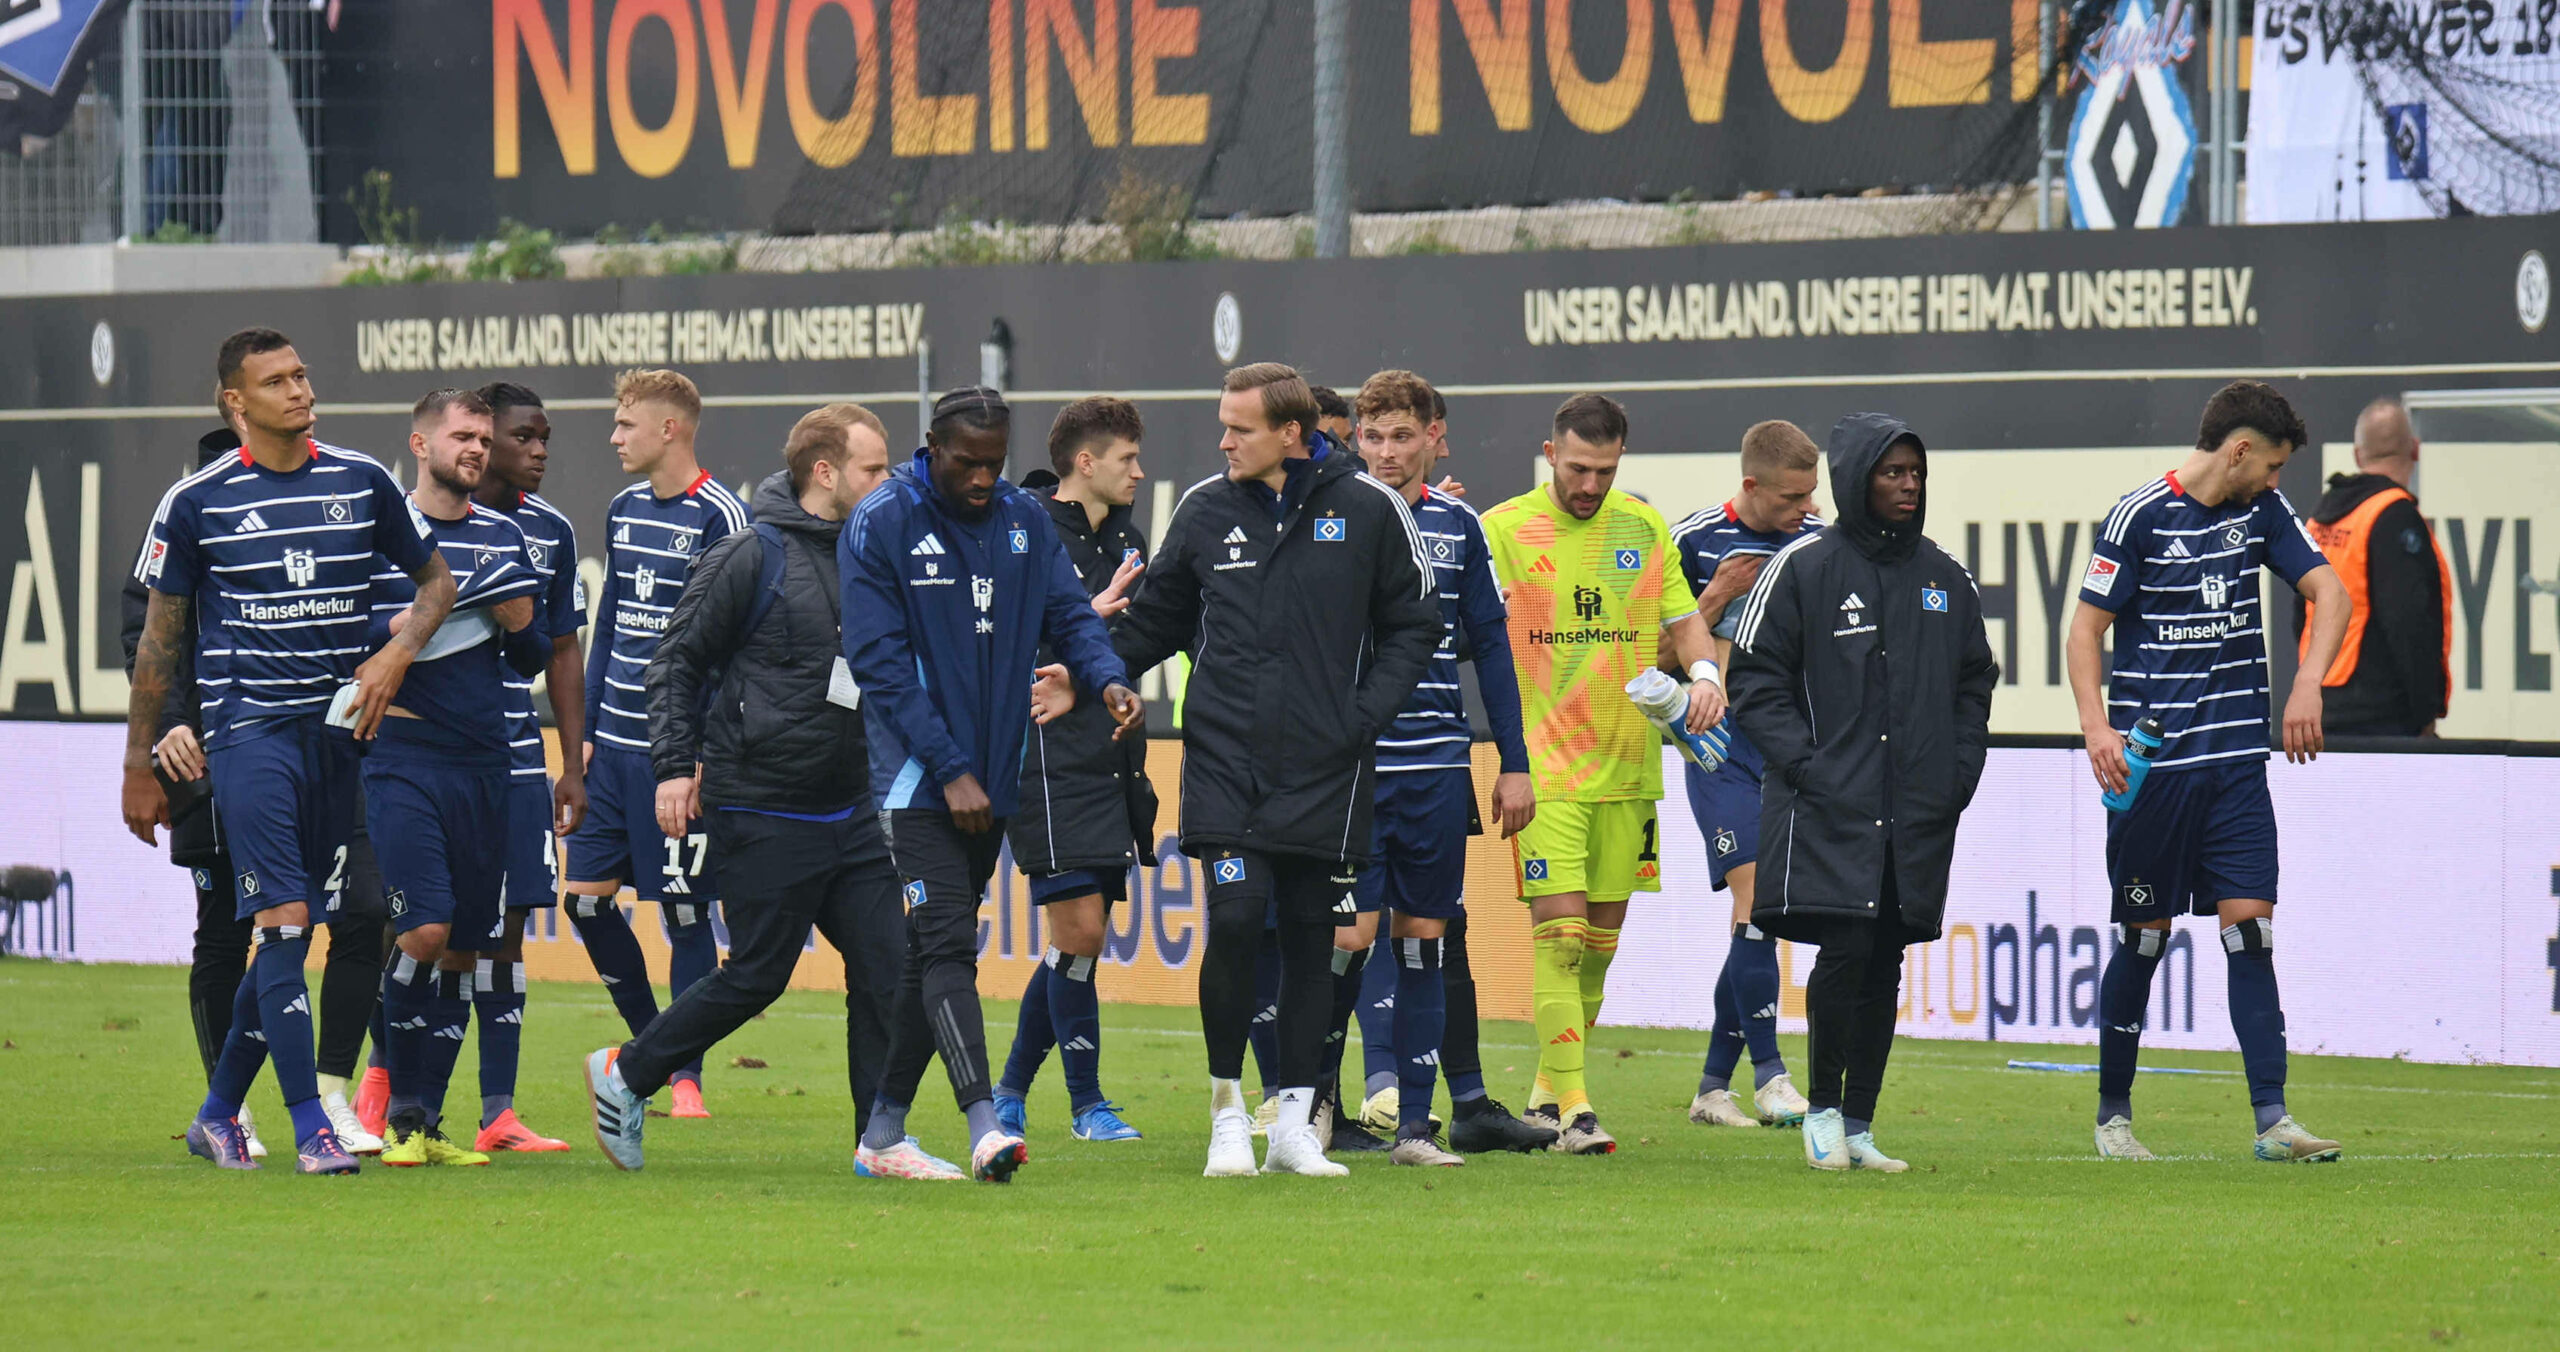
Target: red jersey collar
[2175, 486]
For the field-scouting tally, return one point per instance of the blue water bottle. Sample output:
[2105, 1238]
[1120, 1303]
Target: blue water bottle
[2140, 745]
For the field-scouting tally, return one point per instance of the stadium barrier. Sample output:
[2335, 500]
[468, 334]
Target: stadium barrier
[2418, 917]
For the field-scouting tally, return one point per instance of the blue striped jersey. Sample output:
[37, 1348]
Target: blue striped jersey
[1431, 732]
[551, 547]
[277, 566]
[462, 696]
[651, 543]
[2181, 579]
[1705, 539]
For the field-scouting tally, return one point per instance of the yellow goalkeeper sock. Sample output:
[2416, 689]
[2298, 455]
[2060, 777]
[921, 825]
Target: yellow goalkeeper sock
[1599, 949]
[1555, 994]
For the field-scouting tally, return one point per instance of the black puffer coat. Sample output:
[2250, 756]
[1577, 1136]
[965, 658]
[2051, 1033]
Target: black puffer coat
[769, 739]
[1861, 672]
[1086, 799]
[1309, 616]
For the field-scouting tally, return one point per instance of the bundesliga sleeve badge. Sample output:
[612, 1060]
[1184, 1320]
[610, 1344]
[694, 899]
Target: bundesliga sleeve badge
[2101, 577]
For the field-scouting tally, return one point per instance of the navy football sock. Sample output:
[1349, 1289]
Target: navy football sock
[1377, 1010]
[2123, 994]
[244, 1050]
[448, 1021]
[2257, 1015]
[1753, 959]
[1075, 1012]
[692, 954]
[284, 1015]
[1033, 1035]
[1264, 1032]
[1421, 1016]
[1724, 1041]
[615, 951]
[407, 987]
[497, 998]
[888, 1125]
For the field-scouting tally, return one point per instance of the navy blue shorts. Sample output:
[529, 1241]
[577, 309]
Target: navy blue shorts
[439, 830]
[1418, 851]
[1727, 806]
[1113, 884]
[620, 840]
[2192, 840]
[533, 872]
[286, 795]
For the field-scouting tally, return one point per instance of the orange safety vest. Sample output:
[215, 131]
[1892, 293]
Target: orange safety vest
[2347, 542]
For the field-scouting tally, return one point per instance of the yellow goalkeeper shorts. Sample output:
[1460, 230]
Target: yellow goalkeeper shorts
[1607, 851]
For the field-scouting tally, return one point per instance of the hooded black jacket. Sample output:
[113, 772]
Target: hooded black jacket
[769, 740]
[2399, 684]
[195, 839]
[1861, 672]
[1308, 618]
[1086, 800]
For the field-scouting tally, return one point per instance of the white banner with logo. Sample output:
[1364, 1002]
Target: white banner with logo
[2417, 917]
[2345, 124]
[2419, 914]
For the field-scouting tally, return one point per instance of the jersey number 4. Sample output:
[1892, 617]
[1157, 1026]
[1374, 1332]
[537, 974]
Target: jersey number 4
[679, 877]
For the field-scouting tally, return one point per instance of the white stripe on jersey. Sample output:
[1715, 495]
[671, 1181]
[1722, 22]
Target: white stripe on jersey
[2121, 519]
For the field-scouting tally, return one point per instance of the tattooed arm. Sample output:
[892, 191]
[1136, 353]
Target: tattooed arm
[380, 676]
[165, 632]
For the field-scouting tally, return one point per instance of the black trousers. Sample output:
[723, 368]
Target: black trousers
[1244, 886]
[1459, 1055]
[780, 878]
[1849, 1006]
[220, 959]
[946, 871]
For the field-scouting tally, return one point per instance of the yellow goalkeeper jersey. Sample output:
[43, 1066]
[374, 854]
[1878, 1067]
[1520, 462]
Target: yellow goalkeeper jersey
[1588, 600]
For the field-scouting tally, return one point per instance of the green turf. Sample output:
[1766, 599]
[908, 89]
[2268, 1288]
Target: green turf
[750, 1230]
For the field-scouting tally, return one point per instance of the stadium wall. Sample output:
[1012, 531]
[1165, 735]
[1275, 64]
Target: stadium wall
[2050, 373]
[2429, 879]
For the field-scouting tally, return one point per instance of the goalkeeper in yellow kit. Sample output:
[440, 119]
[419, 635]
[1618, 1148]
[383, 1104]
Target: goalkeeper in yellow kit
[1593, 586]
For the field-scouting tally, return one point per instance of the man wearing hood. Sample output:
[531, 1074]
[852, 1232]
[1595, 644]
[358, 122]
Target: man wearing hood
[783, 772]
[1861, 672]
[953, 579]
[1301, 589]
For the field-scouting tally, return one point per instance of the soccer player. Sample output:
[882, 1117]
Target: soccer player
[1593, 586]
[1721, 552]
[1426, 787]
[269, 555]
[436, 781]
[655, 529]
[1862, 674]
[2175, 574]
[1088, 812]
[953, 578]
[786, 775]
[539, 811]
[1302, 591]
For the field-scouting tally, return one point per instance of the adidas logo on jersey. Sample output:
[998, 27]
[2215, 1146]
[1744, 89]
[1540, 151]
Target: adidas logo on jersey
[928, 547]
[248, 523]
[1235, 536]
[1544, 567]
[1853, 603]
[2178, 550]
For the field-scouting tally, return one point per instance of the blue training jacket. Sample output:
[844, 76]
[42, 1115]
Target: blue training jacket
[943, 621]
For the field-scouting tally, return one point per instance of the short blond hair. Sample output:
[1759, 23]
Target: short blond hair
[659, 386]
[826, 433]
[1773, 446]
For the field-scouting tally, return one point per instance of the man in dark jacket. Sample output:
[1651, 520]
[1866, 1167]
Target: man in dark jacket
[780, 751]
[2394, 672]
[1088, 813]
[1861, 672]
[953, 579]
[350, 983]
[1300, 588]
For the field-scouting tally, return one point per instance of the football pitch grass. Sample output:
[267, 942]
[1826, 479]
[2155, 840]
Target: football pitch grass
[2442, 1225]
